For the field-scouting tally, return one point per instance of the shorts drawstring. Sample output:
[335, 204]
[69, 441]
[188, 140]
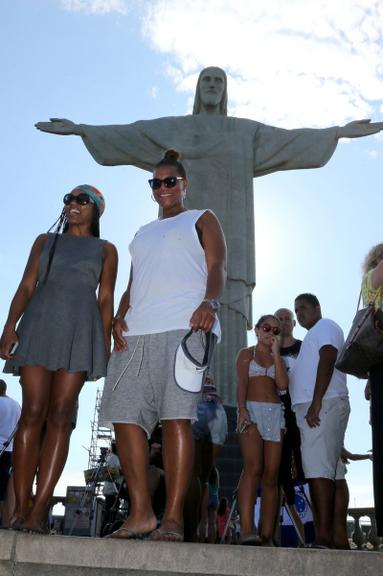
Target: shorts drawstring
[129, 361]
[142, 356]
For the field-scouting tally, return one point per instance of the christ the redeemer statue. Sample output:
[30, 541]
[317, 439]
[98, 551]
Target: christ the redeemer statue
[222, 155]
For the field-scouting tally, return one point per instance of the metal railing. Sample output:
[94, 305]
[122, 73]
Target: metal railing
[365, 536]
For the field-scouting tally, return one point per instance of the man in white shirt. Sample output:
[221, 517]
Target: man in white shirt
[9, 416]
[319, 398]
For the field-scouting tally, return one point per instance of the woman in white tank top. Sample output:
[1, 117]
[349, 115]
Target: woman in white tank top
[261, 373]
[177, 277]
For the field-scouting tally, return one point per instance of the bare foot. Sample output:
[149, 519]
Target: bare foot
[36, 526]
[17, 522]
[133, 528]
[251, 539]
[169, 531]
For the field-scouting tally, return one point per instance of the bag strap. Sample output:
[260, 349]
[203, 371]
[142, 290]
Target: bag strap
[359, 299]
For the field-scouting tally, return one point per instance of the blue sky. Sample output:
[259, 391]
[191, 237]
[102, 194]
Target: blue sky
[290, 64]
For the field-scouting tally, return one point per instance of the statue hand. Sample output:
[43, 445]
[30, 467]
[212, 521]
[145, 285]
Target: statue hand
[60, 126]
[359, 128]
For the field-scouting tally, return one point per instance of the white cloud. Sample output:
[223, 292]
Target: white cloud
[96, 6]
[302, 62]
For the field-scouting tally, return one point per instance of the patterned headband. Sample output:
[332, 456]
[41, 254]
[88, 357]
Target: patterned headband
[95, 194]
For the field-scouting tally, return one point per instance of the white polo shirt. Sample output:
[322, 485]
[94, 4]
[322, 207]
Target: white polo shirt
[302, 376]
[9, 416]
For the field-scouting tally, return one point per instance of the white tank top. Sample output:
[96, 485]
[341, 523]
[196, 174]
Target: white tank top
[169, 275]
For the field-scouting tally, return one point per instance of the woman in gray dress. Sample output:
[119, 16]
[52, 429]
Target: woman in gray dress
[62, 339]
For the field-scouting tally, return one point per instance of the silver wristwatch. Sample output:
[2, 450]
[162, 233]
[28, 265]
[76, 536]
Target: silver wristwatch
[215, 304]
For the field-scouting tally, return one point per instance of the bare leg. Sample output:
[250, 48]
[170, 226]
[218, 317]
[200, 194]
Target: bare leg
[10, 503]
[269, 500]
[212, 525]
[205, 454]
[192, 504]
[322, 492]
[178, 458]
[64, 390]
[203, 525]
[251, 445]
[132, 447]
[36, 382]
[342, 497]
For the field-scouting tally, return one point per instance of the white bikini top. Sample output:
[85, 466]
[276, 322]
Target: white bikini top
[256, 370]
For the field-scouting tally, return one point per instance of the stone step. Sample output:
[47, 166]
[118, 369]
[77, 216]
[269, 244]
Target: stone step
[34, 555]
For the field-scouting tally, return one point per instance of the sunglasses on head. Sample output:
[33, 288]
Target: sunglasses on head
[168, 182]
[83, 199]
[267, 328]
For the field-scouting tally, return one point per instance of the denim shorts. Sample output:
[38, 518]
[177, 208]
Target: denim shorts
[211, 425]
[268, 417]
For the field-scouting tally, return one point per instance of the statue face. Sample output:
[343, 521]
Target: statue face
[211, 87]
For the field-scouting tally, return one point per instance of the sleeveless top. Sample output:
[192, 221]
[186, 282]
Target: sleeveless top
[169, 275]
[61, 326]
[370, 294]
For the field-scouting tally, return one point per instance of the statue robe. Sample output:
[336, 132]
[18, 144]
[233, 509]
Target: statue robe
[221, 155]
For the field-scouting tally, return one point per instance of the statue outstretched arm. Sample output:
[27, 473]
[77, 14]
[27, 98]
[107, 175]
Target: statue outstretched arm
[60, 126]
[359, 128]
[140, 144]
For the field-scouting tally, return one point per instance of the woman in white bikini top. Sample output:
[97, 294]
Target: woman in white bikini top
[261, 374]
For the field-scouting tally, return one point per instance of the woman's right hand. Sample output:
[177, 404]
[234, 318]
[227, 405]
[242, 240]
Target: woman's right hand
[8, 339]
[119, 326]
[243, 420]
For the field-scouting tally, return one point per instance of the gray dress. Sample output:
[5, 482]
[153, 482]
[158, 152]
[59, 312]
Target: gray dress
[61, 326]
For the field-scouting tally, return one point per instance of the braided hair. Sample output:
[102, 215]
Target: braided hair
[60, 224]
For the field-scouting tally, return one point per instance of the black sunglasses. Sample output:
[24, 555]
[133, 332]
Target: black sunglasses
[83, 199]
[168, 182]
[267, 328]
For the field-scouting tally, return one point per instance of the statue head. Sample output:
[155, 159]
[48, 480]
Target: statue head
[211, 91]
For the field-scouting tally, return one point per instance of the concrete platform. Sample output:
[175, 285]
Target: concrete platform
[32, 555]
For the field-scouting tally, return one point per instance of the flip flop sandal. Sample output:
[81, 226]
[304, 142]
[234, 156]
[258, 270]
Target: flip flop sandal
[17, 523]
[130, 534]
[160, 535]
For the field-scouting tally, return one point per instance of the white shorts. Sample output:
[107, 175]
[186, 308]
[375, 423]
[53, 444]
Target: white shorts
[268, 417]
[321, 446]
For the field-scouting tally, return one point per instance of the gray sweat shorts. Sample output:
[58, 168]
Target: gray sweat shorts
[140, 387]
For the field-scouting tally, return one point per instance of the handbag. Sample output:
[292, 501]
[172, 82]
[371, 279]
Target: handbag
[189, 373]
[364, 344]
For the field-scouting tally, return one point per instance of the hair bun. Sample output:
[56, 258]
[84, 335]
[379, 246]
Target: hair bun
[172, 154]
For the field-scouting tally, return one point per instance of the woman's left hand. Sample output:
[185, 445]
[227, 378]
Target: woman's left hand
[275, 346]
[203, 318]
[8, 339]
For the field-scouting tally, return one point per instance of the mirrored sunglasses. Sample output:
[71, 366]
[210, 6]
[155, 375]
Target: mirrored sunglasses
[168, 182]
[83, 199]
[274, 329]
